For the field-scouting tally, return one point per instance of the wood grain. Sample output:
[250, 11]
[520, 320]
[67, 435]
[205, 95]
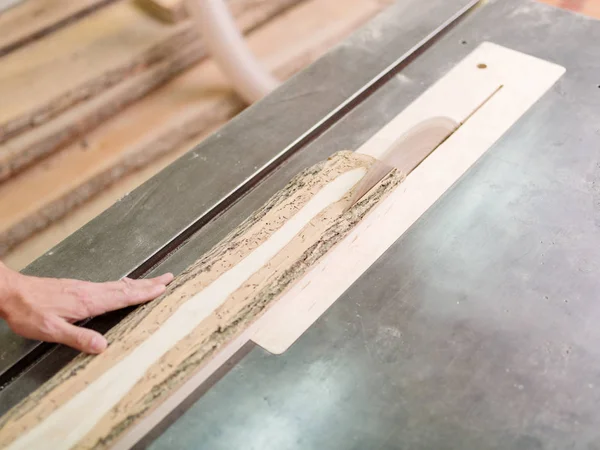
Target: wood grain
[95, 54]
[32, 20]
[49, 416]
[166, 118]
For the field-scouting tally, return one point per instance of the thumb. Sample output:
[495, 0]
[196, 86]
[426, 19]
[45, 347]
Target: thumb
[79, 338]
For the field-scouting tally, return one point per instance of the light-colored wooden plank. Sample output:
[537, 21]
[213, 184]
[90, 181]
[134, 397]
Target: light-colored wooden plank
[504, 90]
[26, 148]
[166, 118]
[163, 344]
[94, 54]
[32, 19]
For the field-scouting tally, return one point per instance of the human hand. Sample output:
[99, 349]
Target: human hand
[46, 308]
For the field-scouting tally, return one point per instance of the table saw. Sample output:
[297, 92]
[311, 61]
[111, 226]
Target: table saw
[476, 329]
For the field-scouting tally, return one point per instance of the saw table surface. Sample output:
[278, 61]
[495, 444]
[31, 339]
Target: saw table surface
[478, 329]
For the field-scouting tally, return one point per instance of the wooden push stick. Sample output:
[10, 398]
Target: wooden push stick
[486, 94]
[295, 255]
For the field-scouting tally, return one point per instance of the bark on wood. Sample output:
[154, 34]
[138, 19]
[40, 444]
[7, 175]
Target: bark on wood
[240, 309]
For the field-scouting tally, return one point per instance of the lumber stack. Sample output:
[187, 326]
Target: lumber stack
[64, 143]
[111, 58]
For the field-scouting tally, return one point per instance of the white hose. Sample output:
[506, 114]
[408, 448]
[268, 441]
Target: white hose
[227, 46]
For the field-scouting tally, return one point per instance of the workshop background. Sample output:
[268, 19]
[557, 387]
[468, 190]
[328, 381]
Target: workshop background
[97, 96]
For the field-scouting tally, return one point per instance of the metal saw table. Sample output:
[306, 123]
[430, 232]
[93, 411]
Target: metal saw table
[478, 329]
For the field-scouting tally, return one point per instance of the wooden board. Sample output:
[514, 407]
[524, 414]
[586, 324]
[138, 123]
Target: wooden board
[162, 344]
[18, 153]
[487, 92]
[96, 53]
[166, 118]
[33, 19]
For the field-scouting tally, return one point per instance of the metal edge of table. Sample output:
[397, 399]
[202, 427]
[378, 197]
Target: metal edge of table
[191, 190]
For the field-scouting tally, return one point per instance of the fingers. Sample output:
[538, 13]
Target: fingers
[55, 329]
[128, 292]
[144, 282]
[79, 338]
[41, 308]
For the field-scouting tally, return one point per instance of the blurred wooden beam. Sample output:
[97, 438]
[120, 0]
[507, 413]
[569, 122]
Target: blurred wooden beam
[24, 21]
[110, 59]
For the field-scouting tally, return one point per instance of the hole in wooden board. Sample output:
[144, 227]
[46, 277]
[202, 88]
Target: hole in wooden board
[482, 66]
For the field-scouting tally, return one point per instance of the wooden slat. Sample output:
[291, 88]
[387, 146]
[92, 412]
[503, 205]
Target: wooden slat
[33, 19]
[18, 153]
[487, 93]
[166, 118]
[240, 277]
[79, 61]
[82, 60]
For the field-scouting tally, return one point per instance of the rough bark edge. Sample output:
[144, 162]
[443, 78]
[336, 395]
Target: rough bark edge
[204, 263]
[221, 336]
